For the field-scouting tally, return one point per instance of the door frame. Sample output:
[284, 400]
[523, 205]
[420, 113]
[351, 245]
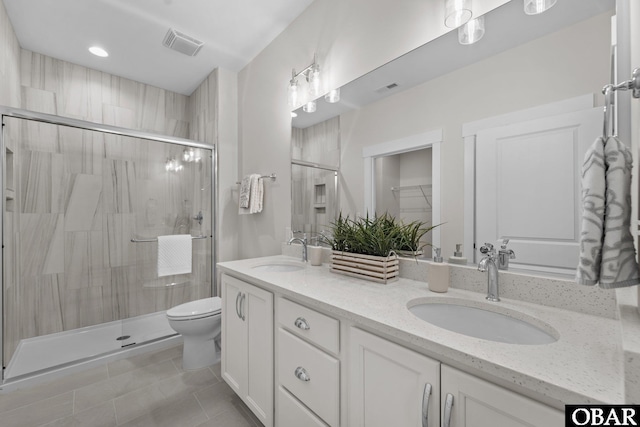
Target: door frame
[469, 133]
[432, 139]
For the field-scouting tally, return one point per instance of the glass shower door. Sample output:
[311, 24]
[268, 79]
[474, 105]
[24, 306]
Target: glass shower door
[75, 285]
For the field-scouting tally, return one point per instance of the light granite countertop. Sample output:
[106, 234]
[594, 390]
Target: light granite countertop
[584, 366]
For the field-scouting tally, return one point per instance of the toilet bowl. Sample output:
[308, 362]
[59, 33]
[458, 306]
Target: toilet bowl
[199, 324]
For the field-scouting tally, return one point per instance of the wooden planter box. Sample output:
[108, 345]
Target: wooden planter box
[368, 267]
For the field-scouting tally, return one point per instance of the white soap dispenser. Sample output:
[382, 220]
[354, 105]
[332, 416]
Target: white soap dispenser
[438, 273]
[457, 257]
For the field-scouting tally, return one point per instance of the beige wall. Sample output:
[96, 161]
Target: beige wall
[351, 38]
[569, 63]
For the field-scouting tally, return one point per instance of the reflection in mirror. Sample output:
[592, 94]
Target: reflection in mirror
[521, 64]
[313, 199]
[315, 161]
[403, 188]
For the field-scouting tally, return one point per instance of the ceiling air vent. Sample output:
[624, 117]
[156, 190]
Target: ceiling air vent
[182, 43]
[387, 88]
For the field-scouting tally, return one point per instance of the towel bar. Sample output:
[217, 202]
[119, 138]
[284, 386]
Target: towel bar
[272, 177]
[156, 239]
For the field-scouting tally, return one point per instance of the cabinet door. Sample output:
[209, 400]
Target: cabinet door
[257, 308]
[389, 384]
[478, 403]
[247, 345]
[234, 336]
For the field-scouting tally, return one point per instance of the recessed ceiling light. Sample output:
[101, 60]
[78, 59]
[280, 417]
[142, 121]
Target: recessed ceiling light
[98, 51]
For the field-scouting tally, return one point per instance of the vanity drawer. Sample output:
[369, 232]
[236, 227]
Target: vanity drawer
[291, 413]
[318, 328]
[309, 374]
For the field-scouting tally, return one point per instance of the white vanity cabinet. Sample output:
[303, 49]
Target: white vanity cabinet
[390, 385]
[308, 366]
[247, 345]
[479, 403]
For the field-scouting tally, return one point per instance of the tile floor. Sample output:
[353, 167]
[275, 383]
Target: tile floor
[146, 390]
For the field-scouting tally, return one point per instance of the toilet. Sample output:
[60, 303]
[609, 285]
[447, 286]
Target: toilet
[199, 324]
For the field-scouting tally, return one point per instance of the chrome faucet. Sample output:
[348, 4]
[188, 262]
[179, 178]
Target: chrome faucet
[303, 241]
[489, 263]
[504, 255]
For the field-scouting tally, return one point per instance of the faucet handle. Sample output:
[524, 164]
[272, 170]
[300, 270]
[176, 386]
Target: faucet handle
[487, 248]
[504, 244]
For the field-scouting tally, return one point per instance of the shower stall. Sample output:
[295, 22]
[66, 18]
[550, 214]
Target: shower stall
[82, 207]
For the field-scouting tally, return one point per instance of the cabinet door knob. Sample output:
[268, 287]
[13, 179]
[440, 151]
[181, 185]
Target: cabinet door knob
[425, 405]
[238, 305]
[302, 323]
[448, 404]
[302, 374]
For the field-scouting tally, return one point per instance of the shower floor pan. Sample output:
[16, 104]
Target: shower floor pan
[39, 353]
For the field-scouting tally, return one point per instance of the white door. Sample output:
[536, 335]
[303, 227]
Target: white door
[528, 187]
[390, 385]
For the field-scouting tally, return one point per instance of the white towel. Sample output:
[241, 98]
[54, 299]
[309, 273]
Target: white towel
[256, 194]
[245, 191]
[174, 254]
[607, 254]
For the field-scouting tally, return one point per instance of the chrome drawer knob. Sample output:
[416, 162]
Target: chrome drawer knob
[302, 323]
[302, 374]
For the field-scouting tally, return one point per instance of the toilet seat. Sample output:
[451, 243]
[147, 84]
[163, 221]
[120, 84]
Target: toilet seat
[199, 309]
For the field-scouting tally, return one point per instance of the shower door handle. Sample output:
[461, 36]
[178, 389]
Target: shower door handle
[238, 305]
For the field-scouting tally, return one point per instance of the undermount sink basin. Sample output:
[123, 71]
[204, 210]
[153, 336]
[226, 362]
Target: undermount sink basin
[484, 323]
[279, 267]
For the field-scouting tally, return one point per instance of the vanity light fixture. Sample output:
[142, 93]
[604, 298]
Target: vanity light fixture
[98, 51]
[309, 107]
[312, 76]
[534, 7]
[472, 31]
[332, 96]
[457, 12]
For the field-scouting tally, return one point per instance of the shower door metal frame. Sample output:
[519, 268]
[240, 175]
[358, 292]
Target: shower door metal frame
[115, 130]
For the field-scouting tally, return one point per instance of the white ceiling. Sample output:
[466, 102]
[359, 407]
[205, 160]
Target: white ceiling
[132, 31]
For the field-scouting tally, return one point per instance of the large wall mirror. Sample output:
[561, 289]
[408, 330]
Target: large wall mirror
[527, 67]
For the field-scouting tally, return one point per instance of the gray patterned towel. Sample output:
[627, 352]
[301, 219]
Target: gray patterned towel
[607, 255]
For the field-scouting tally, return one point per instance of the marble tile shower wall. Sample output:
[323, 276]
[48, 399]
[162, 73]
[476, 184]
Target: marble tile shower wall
[80, 196]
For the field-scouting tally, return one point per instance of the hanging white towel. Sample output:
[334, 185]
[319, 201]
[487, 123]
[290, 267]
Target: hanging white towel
[607, 254]
[245, 191]
[174, 254]
[256, 194]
